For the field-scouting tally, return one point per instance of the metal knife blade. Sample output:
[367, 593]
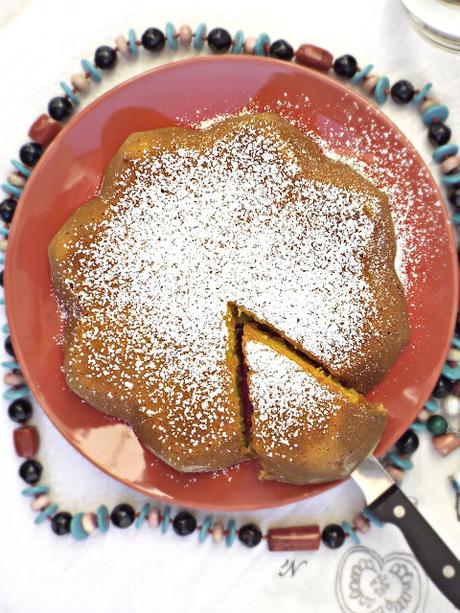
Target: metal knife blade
[372, 479]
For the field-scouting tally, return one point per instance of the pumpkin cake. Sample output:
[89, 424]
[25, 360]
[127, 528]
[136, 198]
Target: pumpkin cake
[194, 233]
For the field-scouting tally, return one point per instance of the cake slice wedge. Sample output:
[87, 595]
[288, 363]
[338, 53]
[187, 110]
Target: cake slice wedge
[305, 426]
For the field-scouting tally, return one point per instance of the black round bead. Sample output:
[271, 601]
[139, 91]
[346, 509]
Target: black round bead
[30, 471]
[60, 523]
[9, 346]
[1, 277]
[122, 515]
[30, 153]
[184, 523]
[345, 66]
[281, 50]
[438, 133]
[333, 536]
[153, 39]
[219, 40]
[402, 91]
[20, 410]
[457, 324]
[7, 208]
[105, 57]
[443, 387]
[408, 443]
[454, 197]
[59, 108]
[250, 535]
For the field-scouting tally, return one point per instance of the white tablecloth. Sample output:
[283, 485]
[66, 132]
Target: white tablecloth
[41, 42]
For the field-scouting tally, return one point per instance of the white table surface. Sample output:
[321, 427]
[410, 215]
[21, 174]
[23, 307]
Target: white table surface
[41, 42]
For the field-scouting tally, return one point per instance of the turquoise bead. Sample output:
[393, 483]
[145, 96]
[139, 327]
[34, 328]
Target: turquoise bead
[68, 92]
[35, 490]
[10, 365]
[418, 426]
[238, 42]
[439, 111]
[2, 301]
[451, 179]
[91, 70]
[262, 40]
[456, 341]
[455, 484]
[4, 231]
[25, 172]
[431, 405]
[231, 529]
[397, 460]
[204, 531]
[170, 32]
[143, 514]
[198, 41]
[456, 220]
[12, 190]
[351, 533]
[5, 329]
[451, 372]
[444, 151]
[13, 393]
[418, 98]
[133, 48]
[372, 518]
[76, 529]
[165, 521]
[102, 514]
[43, 515]
[359, 76]
[382, 84]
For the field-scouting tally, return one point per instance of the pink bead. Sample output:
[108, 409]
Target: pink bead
[89, 522]
[13, 378]
[396, 473]
[361, 523]
[154, 518]
[80, 82]
[40, 502]
[424, 415]
[446, 443]
[217, 532]
[370, 83]
[450, 164]
[249, 45]
[16, 180]
[185, 35]
[428, 103]
[122, 45]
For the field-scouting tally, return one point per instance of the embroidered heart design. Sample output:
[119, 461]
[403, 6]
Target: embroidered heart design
[368, 583]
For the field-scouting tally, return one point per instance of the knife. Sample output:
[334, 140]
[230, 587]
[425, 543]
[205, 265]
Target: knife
[388, 503]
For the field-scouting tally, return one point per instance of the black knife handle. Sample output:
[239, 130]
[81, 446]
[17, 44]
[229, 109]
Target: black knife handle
[437, 560]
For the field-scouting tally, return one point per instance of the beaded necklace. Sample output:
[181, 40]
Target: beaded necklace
[445, 396]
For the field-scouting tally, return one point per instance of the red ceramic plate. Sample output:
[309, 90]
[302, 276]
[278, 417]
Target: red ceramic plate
[69, 174]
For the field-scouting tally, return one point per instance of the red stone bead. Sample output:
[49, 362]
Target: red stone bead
[296, 538]
[314, 57]
[44, 129]
[446, 443]
[26, 441]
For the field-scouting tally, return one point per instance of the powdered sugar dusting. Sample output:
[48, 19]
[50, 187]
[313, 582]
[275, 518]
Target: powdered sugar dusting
[193, 231]
[287, 399]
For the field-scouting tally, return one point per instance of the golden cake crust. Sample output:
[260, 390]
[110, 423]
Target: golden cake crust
[130, 372]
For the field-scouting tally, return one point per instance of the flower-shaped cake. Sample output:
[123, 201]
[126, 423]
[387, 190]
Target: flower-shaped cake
[194, 234]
